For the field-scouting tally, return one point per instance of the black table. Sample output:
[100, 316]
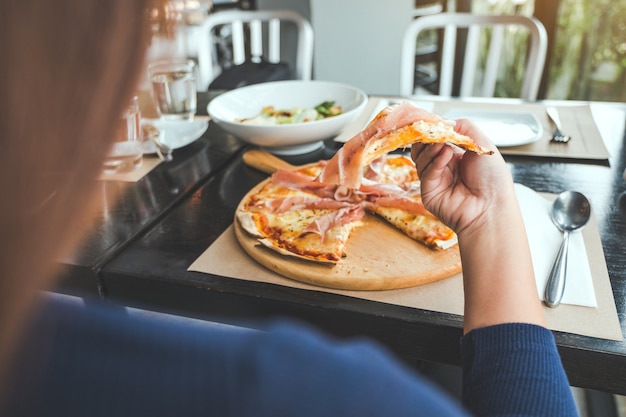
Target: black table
[127, 209]
[150, 270]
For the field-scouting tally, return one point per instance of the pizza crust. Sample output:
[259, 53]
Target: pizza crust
[269, 244]
[247, 222]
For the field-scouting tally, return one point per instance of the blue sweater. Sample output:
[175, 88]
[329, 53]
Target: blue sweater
[91, 361]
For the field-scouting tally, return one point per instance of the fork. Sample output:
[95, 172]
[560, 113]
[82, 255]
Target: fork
[152, 133]
[558, 136]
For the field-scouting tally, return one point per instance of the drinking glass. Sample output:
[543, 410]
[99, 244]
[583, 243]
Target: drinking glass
[174, 88]
[126, 152]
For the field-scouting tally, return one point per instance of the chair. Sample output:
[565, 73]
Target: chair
[450, 22]
[426, 50]
[264, 28]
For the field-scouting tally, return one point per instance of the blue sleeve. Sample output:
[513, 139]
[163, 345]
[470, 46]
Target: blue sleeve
[317, 376]
[77, 361]
[514, 370]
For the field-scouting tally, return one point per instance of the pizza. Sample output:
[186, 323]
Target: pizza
[297, 216]
[310, 212]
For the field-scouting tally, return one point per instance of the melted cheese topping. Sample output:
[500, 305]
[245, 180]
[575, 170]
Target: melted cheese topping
[398, 170]
[426, 229]
[285, 232]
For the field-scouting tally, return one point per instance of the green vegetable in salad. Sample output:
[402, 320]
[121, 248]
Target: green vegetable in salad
[328, 109]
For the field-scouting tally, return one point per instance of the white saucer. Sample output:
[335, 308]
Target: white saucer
[503, 128]
[175, 133]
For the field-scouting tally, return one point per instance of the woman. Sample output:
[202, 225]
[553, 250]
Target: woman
[68, 67]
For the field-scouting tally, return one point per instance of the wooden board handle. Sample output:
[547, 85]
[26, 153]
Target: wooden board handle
[265, 161]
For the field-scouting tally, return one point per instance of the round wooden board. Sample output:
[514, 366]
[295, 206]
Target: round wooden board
[378, 257]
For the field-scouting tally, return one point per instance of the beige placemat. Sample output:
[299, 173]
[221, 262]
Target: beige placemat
[148, 164]
[578, 122]
[225, 257]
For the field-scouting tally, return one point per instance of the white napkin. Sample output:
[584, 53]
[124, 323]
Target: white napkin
[545, 240]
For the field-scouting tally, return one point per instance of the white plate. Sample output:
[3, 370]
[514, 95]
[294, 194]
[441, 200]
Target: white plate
[503, 128]
[175, 133]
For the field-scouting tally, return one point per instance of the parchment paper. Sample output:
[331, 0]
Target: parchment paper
[443, 296]
[148, 164]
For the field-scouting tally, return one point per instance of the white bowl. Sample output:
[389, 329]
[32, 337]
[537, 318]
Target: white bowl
[287, 139]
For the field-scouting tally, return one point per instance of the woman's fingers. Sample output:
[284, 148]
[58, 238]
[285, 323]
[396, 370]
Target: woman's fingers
[468, 128]
[430, 156]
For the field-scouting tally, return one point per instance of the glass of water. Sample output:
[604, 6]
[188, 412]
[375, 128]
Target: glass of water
[126, 152]
[174, 88]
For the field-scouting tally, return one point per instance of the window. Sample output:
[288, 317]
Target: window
[587, 56]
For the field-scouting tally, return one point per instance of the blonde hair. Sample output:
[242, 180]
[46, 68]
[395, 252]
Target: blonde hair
[67, 69]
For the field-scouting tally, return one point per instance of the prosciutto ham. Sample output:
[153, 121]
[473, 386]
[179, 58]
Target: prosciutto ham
[347, 204]
[282, 205]
[393, 127]
[337, 197]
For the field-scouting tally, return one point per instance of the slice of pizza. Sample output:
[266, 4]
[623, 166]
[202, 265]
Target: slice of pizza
[399, 201]
[394, 127]
[296, 217]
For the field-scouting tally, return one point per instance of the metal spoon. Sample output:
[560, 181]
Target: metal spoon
[570, 211]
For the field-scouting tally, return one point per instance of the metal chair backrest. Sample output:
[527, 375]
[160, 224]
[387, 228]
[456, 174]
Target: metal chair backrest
[264, 28]
[450, 23]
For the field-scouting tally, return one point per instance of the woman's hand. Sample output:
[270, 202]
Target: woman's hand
[475, 196]
[462, 187]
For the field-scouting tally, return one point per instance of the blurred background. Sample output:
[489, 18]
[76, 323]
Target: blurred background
[354, 38]
[586, 53]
